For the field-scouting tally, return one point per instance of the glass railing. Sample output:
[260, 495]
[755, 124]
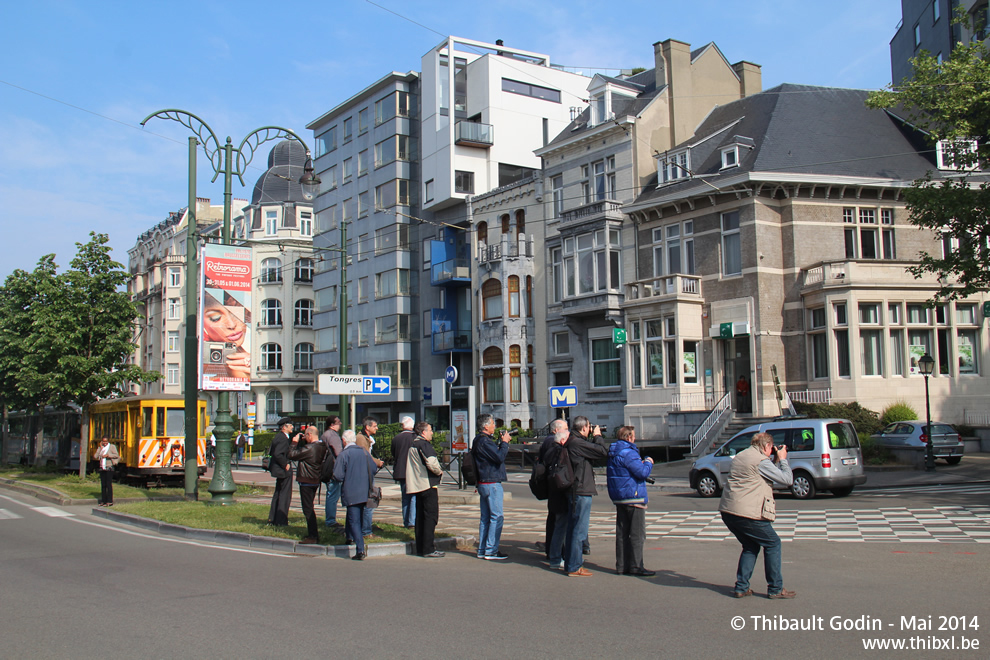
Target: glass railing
[476, 133]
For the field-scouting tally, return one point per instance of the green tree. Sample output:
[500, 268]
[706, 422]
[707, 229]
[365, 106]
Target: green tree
[949, 102]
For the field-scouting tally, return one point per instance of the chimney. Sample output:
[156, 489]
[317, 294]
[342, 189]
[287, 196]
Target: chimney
[660, 64]
[750, 78]
[680, 90]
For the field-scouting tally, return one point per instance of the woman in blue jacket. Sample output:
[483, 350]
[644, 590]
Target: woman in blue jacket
[627, 473]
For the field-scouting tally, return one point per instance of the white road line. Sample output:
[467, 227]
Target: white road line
[52, 512]
[8, 515]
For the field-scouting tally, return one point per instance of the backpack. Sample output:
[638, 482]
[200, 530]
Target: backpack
[539, 485]
[560, 472]
[468, 468]
[326, 467]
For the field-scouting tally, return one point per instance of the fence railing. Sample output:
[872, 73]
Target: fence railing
[693, 401]
[719, 414]
[978, 418]
[812, 396]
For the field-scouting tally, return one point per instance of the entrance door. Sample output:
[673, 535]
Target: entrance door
[738, 373]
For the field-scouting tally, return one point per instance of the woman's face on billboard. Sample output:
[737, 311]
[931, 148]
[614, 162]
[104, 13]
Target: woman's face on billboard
[221, 324]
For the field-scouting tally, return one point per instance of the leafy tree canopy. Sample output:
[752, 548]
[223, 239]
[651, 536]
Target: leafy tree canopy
[950, 102]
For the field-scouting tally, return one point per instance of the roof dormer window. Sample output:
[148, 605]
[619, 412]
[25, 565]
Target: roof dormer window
[956, 155]
[674, 166]
[730, 157]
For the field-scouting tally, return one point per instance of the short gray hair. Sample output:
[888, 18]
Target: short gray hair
[484, 419]
[558, 425]
[407, 422]
[349, 437]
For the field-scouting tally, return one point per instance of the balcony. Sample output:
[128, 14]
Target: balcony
[603, 209]
[457, 341]
[506, 249]
[863, 273]
[452, 271]
[604, 302]
[662, 289]
[472, 134]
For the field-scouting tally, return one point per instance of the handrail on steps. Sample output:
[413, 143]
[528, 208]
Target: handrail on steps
[722, 408]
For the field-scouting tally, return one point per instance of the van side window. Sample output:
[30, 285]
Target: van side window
[779, 437]
[841, 436]
[803, 440]
[736, 445]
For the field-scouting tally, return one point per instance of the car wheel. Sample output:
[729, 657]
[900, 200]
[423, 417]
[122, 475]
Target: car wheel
[953, 460]
[803, 487]
[707, 485]
[842, 492]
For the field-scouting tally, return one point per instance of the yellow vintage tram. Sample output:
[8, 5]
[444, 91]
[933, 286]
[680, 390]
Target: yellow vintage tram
[149, 431]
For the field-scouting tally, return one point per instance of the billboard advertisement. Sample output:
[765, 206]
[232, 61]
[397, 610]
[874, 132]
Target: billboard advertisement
[225, 318]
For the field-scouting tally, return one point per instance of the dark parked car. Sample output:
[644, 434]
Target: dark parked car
[946, 442]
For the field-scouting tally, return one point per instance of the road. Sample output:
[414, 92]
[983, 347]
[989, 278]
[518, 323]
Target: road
[74, 586]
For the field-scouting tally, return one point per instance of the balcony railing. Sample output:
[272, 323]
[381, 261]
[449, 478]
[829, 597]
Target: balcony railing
[522, 247]
[856, 272]
[453, 269]
[474, 134]
[669, 286]
[451, 340]
[607, 209]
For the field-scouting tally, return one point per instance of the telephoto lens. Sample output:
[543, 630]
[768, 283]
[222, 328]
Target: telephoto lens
[513, 432]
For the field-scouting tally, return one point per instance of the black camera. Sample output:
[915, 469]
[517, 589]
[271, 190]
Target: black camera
[513, 432]
[650, 480]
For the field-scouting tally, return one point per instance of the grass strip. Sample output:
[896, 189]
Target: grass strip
[88, 487]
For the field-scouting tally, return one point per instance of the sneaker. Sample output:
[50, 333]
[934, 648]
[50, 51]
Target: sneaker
[556, 566]
[498, 556]
[359, 556]
[541, 546]
[581, 572]
[783, 594]
[742, 594]
[436, 554]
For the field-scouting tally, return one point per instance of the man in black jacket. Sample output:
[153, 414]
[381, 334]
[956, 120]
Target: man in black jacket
[310, 453]
[278, 513]
[584, 446]
[400, 449]
[557, 504]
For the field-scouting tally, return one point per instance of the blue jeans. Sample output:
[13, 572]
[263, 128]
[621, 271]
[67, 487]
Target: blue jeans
[558, 539]
[577, 531]
[366, 521]
[354, 515]
[753, 535]
[333, 496]
[408, 506]
[490, 529]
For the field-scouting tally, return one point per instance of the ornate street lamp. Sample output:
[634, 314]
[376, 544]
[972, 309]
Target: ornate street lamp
[927, 365]
[222, 159]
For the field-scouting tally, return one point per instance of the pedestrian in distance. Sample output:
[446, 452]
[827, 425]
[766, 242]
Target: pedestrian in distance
[107, 457]
[489, 460]
[748, 510]
[626, 473]
[281, 469]
[356, 471]
[331, 438]
[423, 474]
[400, 450]
[584, 445]
[366, 439]
[309, 453]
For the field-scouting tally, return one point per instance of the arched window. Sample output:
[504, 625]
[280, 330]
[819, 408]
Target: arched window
[304, 313]
[271, 357]
[271, 312]
[271, 270]
[516, 423]
[515, 354]
[505, 223]
[491, 298]
[303, 360]
[273, 405]
[520, 222]
[300, 401]
[483, 232]
[304, 270]
[491, 360]
[492, 356]
[514, 296]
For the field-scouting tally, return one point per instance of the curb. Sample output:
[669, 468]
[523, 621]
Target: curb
[271, 543]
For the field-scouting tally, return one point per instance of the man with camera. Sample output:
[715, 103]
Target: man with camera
[281, 469]
[489, 458]
[627, 475]
[748, 510]
[584, 445]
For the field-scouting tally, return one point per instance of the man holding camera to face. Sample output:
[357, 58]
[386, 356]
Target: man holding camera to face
[489, 458]
[748, 510]
[584, 445]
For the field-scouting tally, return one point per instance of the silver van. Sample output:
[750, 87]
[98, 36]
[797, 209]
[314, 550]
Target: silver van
[824, 454]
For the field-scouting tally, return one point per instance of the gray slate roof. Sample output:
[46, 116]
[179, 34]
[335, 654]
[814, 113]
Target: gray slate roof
[281, 182]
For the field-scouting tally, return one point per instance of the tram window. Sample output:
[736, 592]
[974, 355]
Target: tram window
[160, 422]
[18, 425]
[146, 424]
[51, 425]
[176, 422]
[202, 421]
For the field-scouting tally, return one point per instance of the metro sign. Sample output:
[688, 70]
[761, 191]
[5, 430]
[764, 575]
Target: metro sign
[563, 396]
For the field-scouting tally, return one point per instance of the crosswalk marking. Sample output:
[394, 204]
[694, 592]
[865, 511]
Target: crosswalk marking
[8, 515]
[52, 512]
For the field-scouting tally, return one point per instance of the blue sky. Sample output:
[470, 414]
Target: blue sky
[77, 77]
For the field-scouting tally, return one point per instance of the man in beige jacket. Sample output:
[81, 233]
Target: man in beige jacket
[748, 510]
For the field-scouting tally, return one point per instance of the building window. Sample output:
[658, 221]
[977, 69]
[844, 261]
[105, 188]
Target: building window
[674, 166]
[730, 157]
[174, 308]
[271, 357]
[397, 370]
[331, 178]
[271, 270]
[304, 313]
[654, 352]
[300, 401]
[967, 348]
[842, 352]
[348, 129]
[819, 343]
[326, 142]
[326, 339]
[363, 204]
[491, 299]
[363, 120]
[172, 371]
[562, 343]
[557, 189]
[393, 328]
[936, 11]
[592, 260]
[515, 384]
[362, 162]
[271, 223]
[397, 147]
[271, 313]
[392, 193]
[557, 262]
[389, 239]
[673, 251]
[605, 358]
[364, 328]
[599, 180]
[347, 169]
[303, 357]
[304, 270]
[871, 344]
[463, 182]
[172, 345]
[428, 187]
[395, 104]
[917, 314]
[392, 283]
[174, 276]
[690, 361]
[917, 35]
[305, 223]
[919, 343]
[273, 405]
[513, 296]
[530, 90]
[731, 245]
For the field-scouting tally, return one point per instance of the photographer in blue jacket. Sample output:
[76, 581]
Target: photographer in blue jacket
[627, 474]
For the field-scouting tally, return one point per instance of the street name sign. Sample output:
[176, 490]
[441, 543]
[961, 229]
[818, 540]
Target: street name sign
[354, 385]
